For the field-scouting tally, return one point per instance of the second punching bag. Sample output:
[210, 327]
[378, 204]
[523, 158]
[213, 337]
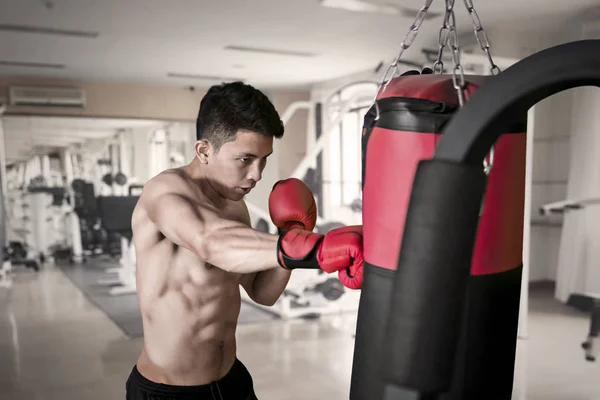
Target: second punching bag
[413, 110]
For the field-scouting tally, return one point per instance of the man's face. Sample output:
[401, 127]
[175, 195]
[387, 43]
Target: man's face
[238, 165]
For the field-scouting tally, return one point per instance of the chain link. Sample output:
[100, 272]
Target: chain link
[484, 43]
[408, 40]
[481, 36]
[458, 77]
[488, 162]
[438, 66]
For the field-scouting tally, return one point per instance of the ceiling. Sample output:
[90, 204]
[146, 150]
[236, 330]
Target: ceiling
[145, 40]
[29, 136]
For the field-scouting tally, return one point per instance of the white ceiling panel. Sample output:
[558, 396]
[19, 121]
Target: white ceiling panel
[144, 40]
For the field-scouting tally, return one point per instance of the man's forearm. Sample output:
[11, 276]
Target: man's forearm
[239, 249]
[269, 285]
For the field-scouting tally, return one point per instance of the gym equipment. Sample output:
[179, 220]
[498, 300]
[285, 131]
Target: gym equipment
[308, 292]
[412, 112]
[135, 189]
[332, 289]
[592, 343]
[120, 178]
[115, 214]
[87, 242]
[18, 253]
[402, 128]
[262, 225]
[108, 178]
[78, 195]
[560, 207]
[464, 144]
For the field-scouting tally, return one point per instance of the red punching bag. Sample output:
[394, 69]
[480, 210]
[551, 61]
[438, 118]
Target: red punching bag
[411, 113]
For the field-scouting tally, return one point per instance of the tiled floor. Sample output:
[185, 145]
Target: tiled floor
[55, 345]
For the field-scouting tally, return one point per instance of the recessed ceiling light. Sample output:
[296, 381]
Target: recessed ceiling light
[180, 75]
[366, 6]
[277, 52]
[26, 64]
[47, 31]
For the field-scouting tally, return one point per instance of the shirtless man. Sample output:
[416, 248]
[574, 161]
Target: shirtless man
[195, 248]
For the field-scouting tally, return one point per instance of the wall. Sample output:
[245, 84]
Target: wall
[115, 100]
[140, 141]
[555, 156]
[172, 104]
[292, 147]
[551, 158]
[579, 250]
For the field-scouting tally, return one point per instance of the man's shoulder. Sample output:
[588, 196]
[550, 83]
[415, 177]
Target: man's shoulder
[168, 181]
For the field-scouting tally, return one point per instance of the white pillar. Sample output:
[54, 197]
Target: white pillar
[140, 140]
[3, 187]
[45, 164]
[524, 306]
[73, 224]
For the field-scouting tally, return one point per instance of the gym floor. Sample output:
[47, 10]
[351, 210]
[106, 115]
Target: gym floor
[55, 344]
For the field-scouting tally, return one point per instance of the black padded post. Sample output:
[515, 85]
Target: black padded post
[486, 351]
[508, 96]
[433, 270]
[595, 319]
[367, 380]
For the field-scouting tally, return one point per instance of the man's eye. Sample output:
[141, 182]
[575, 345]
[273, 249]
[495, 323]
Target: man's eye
[244, 160]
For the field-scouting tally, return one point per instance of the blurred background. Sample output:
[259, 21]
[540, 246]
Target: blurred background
[97, 97]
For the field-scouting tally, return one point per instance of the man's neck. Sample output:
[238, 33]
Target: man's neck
[197, 172]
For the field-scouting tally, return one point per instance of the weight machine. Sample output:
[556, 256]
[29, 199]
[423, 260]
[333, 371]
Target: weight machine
[115, 213]
[587, 302]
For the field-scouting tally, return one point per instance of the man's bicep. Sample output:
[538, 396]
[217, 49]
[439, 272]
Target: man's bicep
[247, 280]
[178, 218]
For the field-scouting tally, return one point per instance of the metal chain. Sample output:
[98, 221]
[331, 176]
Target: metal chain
[484, 43]
[406, 43]
[438, 66]
[487, 164]
[458, 77]
[481, 36]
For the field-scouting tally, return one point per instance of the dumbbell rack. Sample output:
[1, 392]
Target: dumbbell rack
[22, 221]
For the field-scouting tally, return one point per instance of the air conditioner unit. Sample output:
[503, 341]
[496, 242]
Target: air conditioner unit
[40, 96]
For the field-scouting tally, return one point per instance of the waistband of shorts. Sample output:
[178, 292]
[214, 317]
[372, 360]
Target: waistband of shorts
[140, 381]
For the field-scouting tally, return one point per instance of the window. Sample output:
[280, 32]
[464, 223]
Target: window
[344, 164]
[158, 152]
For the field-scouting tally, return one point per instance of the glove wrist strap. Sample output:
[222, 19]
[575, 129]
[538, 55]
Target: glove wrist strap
[308, 261]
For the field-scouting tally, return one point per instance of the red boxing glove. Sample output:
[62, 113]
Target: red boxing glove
[352, 276]
[292, 205]
[339, 250]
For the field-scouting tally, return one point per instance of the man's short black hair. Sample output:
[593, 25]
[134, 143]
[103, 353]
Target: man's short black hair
[230, 107]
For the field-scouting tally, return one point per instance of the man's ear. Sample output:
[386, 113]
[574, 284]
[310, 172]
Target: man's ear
[203, 150]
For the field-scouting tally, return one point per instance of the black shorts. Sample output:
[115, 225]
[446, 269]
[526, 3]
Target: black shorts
[236, 385]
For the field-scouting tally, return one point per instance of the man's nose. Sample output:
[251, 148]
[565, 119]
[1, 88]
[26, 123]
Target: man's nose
[255, 173]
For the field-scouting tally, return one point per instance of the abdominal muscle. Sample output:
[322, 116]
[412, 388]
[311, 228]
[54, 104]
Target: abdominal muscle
[189, 313]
